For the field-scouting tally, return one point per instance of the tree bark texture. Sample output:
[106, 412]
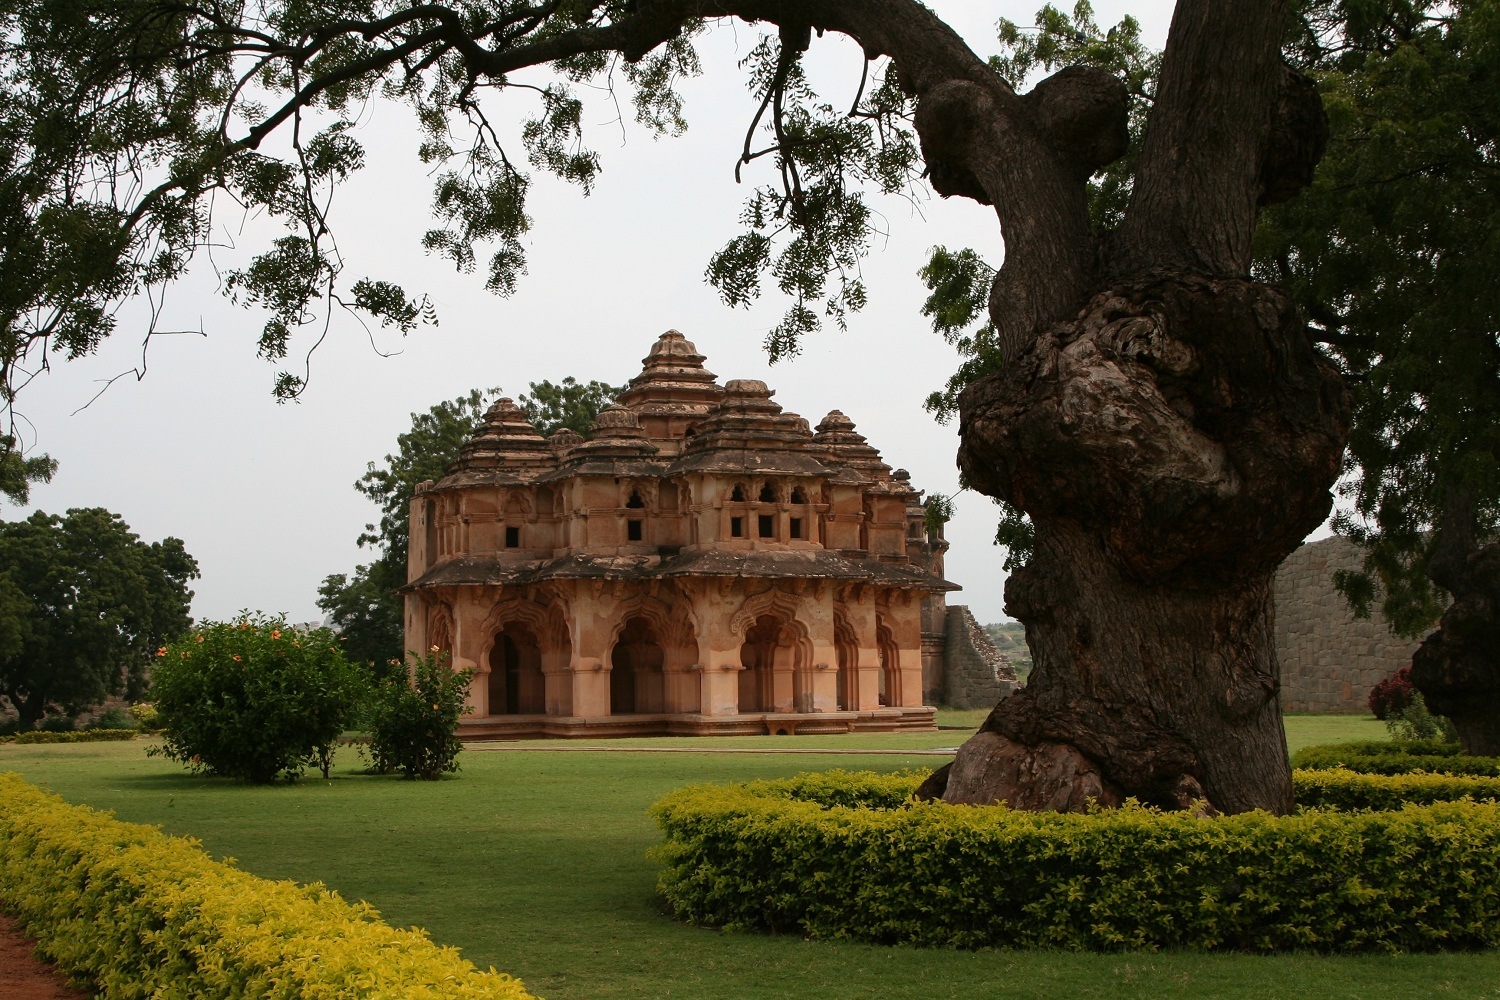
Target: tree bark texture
[1172, 444]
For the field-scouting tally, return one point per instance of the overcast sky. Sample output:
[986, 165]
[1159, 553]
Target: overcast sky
[262, 493]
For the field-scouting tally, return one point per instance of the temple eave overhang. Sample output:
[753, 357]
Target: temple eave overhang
[812, 565]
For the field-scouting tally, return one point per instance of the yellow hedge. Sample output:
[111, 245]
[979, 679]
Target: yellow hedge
[136, 913]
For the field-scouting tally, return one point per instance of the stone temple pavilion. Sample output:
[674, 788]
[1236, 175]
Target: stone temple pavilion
[705, 563]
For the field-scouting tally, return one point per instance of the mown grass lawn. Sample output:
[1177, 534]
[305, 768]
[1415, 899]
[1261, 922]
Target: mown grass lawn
[534, 861]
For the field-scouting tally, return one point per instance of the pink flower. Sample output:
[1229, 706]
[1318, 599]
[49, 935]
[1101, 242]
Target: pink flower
[236, 659]
[162, 651]
[275, 633]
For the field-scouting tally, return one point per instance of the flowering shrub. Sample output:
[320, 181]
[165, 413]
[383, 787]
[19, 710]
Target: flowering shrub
[254, 699]
[414, 718]
[145, 715]
[1392, 694]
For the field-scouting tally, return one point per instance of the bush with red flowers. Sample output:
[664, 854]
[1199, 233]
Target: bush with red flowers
[1392, 695]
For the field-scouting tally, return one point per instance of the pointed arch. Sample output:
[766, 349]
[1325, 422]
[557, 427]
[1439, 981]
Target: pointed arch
[771, 602]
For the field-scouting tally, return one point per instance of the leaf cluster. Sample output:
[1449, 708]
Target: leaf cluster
[810, 230]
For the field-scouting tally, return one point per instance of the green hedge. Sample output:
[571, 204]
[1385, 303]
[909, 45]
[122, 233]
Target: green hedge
[773, 856]
[136, 913]
[74, 736]
[1396, 757]
[1339, 788]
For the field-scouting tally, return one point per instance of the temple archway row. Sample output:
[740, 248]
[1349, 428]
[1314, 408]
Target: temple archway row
[589, 657]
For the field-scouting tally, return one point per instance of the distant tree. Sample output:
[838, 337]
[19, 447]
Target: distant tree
[570, 404]
[17, 472]
[84, 606]
[364, 605]
[366, 611]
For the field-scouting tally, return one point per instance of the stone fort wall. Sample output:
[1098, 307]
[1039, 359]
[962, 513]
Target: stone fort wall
[1329, 658]
[976, 674]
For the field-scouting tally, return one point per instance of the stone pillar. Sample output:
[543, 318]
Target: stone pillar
[590, 688]
[415, 616]
[783, 687]
[468, 652]
[721, 684]
[824, 679]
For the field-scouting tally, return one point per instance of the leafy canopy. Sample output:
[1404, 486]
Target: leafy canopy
[126, 127]
[1392, 253]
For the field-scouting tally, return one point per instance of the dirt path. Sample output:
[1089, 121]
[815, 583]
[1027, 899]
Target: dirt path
[23, 976]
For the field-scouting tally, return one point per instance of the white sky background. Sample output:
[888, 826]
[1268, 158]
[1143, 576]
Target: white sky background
[262, 493]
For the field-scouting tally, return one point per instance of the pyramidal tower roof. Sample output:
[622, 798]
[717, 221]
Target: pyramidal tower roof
[506, 443]
[672, 381]
[846, 448]
[749, 431]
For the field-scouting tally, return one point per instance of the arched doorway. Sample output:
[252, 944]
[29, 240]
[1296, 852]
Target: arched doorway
[847, 648]
[516, 684]
[769, 655]
[636, 681]
[890, 666]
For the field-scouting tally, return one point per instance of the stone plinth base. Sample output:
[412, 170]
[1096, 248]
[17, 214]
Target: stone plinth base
[878, 720]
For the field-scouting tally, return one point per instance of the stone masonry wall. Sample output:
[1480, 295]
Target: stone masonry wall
[1329, 658]
[976, 673]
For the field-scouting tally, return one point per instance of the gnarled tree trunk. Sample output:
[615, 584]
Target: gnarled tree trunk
[1172, 437]
[1171, 446]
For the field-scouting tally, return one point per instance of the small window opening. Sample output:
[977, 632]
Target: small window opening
[737, 527]
[512, 538]
[767, 526]
[633, 530]
[798, 496]
[635, 502]
[767, 494]
[738, 496]
[796, 527]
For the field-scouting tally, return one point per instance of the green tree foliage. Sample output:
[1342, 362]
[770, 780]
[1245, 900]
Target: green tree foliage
[1393, 252]
[18, 472]
[364, 605]
[570, 403]
[124, 124]
[254, 699]
[84, 606]
[366, 610]
[414, 718]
